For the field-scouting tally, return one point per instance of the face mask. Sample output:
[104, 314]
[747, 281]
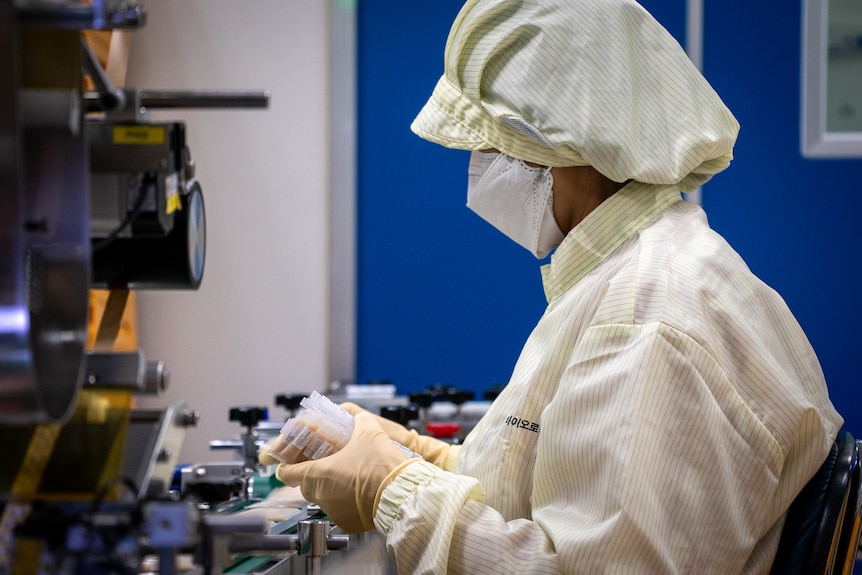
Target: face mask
[514, 198]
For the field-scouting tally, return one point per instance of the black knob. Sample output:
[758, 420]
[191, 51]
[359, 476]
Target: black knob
[441, 392]
[460, 396]
[402, 414]
[248, 416]
[422, 399]
[290, 401]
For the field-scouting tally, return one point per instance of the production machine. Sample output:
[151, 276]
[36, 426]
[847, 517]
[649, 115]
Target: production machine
[93, 194]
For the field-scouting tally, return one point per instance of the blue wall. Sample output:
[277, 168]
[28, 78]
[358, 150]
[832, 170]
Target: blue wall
[444, 298]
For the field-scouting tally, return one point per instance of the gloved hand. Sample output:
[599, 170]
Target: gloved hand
[431, 449]
[263, 456]
[346, 483]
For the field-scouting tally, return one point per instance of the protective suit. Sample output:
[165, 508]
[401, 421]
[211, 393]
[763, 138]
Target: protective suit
[667, 408]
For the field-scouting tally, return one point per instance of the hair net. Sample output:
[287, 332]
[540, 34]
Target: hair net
[578, 82]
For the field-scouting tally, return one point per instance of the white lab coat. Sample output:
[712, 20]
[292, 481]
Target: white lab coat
[661, 418]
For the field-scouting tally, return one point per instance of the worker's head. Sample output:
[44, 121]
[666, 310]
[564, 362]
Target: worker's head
[578, 83]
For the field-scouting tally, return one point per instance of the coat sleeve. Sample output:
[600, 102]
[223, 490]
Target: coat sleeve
[648, 461]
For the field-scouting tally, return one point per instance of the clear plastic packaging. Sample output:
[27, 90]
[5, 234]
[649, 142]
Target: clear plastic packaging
[320, 428]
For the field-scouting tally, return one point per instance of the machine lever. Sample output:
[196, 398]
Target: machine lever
[110, 98]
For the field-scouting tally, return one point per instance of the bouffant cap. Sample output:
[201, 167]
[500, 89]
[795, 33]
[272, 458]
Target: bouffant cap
[578, 82]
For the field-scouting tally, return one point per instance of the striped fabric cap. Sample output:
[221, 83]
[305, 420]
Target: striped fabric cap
[578, 82]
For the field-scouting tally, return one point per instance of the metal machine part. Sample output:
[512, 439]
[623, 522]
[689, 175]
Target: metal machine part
[125, 370]
[44, 235]
[248, 417]
[116, 537]
[135, 167]
[43, 224]
[147, 217]
[174, 260]
[214, 483]
[138, 101]
[248, 445]
[154, 439]
[147, 212]
[96, 15]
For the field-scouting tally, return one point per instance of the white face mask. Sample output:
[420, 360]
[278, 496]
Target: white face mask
[514, 198]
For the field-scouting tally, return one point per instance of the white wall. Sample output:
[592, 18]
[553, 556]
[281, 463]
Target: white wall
[258, 325]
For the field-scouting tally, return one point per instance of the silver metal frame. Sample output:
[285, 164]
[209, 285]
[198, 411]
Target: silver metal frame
[342, 185]
[816, 140]
[694, 49]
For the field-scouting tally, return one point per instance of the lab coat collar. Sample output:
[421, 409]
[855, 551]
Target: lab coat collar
[605, 229]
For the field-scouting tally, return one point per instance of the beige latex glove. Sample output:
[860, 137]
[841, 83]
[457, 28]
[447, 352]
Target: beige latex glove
[431, 449]
[263, 456]
[346, 483]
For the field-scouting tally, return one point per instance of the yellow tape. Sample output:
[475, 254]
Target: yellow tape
[27, 553]
[28, 556]
[139, 135]
[39, 451]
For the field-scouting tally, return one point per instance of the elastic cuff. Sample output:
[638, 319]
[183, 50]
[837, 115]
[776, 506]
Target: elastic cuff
[400, 484]
[389, 479]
